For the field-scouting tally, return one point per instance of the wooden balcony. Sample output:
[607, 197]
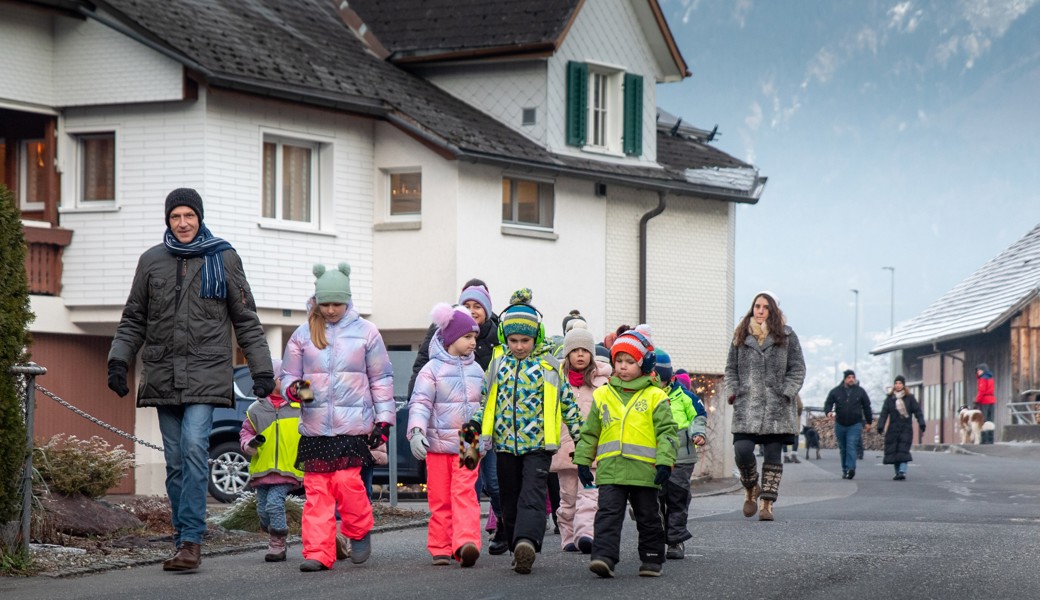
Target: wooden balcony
[43, 258]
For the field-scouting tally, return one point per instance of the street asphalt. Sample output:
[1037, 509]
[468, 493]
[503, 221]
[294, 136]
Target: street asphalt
[963, 526]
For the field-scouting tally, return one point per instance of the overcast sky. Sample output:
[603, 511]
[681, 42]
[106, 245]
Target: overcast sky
[901, 134]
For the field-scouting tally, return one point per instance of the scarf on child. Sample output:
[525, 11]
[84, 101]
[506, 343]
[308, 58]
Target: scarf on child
[576, 378]
[210, 247]
[900, 405]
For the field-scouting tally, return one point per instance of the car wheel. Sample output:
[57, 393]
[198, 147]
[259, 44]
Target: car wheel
[229, 474]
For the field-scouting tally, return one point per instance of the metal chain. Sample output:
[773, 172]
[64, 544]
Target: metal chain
[113, 428]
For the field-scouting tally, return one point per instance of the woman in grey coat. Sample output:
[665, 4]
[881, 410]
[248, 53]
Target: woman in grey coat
[764, 372]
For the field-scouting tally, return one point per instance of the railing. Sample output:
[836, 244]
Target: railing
[43, 258]
[1026, 412]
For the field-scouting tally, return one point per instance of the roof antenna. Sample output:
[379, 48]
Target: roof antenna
[714, 132]
[675, 128]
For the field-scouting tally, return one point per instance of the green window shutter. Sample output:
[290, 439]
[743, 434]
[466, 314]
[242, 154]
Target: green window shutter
[577, 102]
[633, 130]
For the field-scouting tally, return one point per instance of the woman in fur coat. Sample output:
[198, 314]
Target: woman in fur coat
[897, 423]
[764, 372]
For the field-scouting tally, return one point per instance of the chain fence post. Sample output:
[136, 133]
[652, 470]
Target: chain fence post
[29, 372]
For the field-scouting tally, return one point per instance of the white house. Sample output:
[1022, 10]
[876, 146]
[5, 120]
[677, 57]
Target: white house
[421, 145]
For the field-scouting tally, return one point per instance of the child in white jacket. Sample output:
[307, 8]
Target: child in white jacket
[446, 396]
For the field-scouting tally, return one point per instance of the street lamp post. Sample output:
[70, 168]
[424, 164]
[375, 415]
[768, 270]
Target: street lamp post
[892, 301]
[855, 335]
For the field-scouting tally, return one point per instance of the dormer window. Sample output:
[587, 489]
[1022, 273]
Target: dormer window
[604, 109]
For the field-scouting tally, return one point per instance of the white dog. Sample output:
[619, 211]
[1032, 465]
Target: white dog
[970, 423]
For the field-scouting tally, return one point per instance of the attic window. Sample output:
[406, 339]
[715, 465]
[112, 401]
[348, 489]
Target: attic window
[530, 116]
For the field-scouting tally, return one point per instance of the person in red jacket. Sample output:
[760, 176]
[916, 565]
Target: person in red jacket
[985, 400]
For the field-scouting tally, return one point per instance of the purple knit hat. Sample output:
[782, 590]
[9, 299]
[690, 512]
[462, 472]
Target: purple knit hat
[479, 294]
[452, 323]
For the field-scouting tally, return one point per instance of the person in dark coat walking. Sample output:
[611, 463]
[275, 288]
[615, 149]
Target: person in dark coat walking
[898, 413]
[849, 407]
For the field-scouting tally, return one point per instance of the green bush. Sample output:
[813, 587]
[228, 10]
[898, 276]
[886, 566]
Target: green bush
[71, 466]
[15, 317]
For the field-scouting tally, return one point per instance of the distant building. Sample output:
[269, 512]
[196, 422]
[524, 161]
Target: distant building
[991, 317]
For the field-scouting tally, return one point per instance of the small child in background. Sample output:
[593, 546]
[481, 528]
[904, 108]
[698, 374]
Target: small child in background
[577, 509]
[691, 420]
[631, 434]
[269, 437]
[446, 395]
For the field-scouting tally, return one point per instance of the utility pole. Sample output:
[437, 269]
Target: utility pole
[855, 335]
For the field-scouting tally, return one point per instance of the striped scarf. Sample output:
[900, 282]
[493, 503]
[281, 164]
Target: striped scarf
[206, 245]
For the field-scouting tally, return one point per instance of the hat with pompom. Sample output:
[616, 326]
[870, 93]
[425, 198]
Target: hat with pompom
[520, 318]
[634, 342]
[573, 319]
[332, 287]
[452, 323]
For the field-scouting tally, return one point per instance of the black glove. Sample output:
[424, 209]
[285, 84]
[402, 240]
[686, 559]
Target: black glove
[257, 440]
[880, 431]
[663, 473]
[585, 476]
[470, 432]
[263, 385]
[117, 377]
[380, 434]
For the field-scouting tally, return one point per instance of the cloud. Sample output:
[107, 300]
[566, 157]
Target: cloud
[754, 118]
[690, 7]
[867, 39]
[816, 343]
[740, 11]
[822, 67]
[986, 20]
[902, 17]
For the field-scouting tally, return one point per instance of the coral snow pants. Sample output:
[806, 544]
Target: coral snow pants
[454, 509]
[324, 492]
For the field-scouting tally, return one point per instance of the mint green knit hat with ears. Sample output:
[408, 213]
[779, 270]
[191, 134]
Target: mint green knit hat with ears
[332, 287]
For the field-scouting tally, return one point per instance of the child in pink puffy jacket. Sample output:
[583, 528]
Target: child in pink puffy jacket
[343, 358]
[577, 512]
[445, 396]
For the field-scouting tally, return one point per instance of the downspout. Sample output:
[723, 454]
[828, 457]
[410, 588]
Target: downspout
[942, 393]
[642, 252]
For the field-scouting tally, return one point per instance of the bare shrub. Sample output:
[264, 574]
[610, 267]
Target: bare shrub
[71, 466]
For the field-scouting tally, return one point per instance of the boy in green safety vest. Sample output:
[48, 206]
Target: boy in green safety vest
[524, 407]
[631, 433]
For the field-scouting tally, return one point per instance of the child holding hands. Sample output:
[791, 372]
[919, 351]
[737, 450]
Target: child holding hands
[446, 395]
[632, 436]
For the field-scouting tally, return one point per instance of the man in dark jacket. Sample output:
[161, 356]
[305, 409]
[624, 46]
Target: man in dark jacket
[849, 407]
[187, 295]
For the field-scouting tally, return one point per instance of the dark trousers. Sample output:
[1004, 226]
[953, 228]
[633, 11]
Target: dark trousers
[987, 415]
[522, 488]
[553, 484]
[675, 503]
[610, 516]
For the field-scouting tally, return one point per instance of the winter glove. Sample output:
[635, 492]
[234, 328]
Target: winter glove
[470, 432]
[117, 377]
[380, 434]
[299, 391]
[263, 385]
[731, 399]
[585, 476]
[880, 431]
[663, 473]
[419, 444]
[257, 440]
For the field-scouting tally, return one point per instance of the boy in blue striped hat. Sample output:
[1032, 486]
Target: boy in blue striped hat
[525, 403]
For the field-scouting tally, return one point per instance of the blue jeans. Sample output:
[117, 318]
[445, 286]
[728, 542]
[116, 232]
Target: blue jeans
[270, 505]
[901, 467]
[849, 437]
[487, 480]
[185, 434]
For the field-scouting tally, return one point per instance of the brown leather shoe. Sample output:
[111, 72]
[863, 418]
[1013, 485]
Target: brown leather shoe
[188, 558]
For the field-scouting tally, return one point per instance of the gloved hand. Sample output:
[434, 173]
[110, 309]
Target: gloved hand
[263, 385]
[419, 444]
[585, 476]
[299, 391]
[663, 473]
[117, 377]
[380, 434]
[731, 399]
[880, 432]
[257, 440]
[470, 432]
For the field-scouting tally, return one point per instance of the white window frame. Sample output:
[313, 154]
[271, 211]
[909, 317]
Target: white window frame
[388, 215]
[320, 181]
[609, 109]
[23, 176]
[514, 222]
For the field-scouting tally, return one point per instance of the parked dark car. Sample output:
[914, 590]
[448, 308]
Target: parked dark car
[230, 474]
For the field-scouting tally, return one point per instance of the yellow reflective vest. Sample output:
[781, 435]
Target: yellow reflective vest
[552, 412]
[281, 430]
[628, 430]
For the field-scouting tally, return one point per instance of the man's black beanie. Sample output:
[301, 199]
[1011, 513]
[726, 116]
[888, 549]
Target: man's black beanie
[184, 197]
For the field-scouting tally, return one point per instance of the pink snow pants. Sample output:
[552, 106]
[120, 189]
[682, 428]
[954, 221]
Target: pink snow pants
[577, 512]
[454, 509]
[324, 492]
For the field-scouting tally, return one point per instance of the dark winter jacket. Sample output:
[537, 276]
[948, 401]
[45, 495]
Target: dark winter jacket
[487, 339]
[899, 431]
[762, 381]
[851, 405]
[185, 341]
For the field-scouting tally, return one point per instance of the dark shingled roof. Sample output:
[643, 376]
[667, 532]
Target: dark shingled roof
[302, 51]
[407, 27]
